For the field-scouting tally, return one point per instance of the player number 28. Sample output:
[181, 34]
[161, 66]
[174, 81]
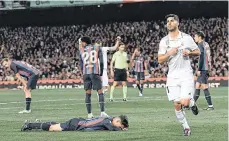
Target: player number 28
[89, 57]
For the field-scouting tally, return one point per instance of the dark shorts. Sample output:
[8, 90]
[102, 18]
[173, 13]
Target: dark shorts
[70, 125]
[32, 82]
[140, 76]
[120, 75]
[203, 78]
[92, 81]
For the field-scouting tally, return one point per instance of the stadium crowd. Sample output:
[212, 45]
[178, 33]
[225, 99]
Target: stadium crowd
[54, 49]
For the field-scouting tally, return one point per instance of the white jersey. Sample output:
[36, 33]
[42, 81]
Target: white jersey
[179, 66]
[105, 50]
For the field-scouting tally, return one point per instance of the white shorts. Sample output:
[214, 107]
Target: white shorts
[105, 78]
[179, 88]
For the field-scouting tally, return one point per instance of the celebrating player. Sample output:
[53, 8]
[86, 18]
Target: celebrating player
[140, 67]
[30, 73]
[80, 124]
[105, 50]
[204, 63]
[176, 48]
[91, 62]
[120, 71]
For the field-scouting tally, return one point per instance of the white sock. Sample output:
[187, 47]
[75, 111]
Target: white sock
[181, 118]
[210, 106]
[192, 102]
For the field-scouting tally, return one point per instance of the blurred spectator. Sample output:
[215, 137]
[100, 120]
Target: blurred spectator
[54, 50]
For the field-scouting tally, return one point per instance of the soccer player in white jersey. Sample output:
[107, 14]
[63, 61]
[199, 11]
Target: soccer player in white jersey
[175, 48]
[105, 50]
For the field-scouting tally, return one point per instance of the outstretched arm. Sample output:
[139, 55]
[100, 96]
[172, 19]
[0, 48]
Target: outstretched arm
[118, 39]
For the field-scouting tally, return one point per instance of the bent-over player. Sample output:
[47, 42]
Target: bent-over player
[27, 71]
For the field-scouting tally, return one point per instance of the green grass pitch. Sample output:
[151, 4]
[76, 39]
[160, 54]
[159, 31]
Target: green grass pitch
[151, 117]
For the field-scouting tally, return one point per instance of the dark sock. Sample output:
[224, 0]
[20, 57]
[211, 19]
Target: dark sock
[101, 102]
[88, 103]
[208, 96]
[139, 88]
[197, 94]
[43, 126]
[28, 101]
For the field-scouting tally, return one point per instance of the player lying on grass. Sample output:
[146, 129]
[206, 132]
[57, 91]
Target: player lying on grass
[81, 124]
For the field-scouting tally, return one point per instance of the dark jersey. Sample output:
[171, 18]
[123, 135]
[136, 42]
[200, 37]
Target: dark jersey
[24, 69]
[99, 123]
[139, 63]
[91, 60]
[203, 60]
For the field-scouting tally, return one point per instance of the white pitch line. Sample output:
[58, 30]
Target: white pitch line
[136, 100]
[152, 99]
[56, 100]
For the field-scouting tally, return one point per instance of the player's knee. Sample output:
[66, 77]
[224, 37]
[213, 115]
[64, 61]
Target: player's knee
[197, 85]
[124, 83]
[88, 91]
[55, 127]
[137, 82]
[185, 102]
[204, 86]
[114, 84]
[99, 91]
[177, 105]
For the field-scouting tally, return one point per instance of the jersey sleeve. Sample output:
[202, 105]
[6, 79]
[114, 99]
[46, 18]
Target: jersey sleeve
[107, 124]
[13, 67]
[208, 51]
[81, 62]
[100, 56]
[114, 57]
[111, 127]
[105, 49]
[162, 48]
[111, 48]
[127, 58]
[191, 43]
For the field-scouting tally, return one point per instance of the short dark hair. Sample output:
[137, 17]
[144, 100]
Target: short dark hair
[172, 15]
[86, 39]
[124, 121]
[200, 34]
[121, 43]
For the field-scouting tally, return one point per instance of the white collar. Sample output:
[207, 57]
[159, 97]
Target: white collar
[178, 37]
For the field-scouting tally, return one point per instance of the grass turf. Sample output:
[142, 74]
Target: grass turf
[151, 117]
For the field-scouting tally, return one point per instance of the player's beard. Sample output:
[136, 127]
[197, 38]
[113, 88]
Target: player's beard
[172, 30]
